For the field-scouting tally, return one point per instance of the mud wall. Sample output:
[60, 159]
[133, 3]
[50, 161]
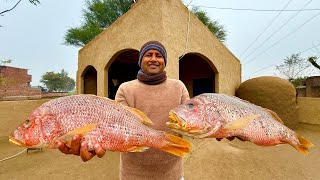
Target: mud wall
[13, 113]
[309, 110]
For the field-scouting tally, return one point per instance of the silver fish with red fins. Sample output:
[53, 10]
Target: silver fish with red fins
[212, 115]
[114, 126]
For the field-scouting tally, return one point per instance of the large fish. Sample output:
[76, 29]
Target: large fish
[114, 126]
[213, 115]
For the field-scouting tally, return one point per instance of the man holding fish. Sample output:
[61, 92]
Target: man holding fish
[97, 124]
[155, 95]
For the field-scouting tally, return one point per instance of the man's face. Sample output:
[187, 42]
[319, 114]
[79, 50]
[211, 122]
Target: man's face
[152, 62]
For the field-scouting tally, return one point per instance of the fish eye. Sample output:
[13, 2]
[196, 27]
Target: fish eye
[27, 123]
[190, 106]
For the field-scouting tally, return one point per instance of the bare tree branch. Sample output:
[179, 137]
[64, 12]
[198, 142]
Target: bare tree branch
[312, 60]
[11, 8]
[34, 2]
[293, 67]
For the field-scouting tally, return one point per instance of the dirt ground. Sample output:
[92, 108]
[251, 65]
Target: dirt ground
[209, 159]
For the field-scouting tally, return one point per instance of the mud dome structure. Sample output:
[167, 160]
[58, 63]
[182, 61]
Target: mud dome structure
[273, 93]
[195, 56]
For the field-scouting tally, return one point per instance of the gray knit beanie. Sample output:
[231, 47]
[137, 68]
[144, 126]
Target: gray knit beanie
[153, 45]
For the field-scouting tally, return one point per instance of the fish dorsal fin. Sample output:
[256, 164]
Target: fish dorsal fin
[142, 116]
[274, 115]
[240, 123]
[82, 130]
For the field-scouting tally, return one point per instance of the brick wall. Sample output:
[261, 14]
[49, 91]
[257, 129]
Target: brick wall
[313, 86]
[15, 82]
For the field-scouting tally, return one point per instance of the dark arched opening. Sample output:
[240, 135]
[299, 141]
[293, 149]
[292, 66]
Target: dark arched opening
[90, 80]
[124, 67]
[197, 73]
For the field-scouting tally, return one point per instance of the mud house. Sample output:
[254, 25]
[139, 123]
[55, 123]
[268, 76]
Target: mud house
[195, 56]
[311, 88]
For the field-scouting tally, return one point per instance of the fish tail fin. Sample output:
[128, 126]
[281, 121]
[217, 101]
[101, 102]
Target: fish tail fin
[176, 145]
[305, 142]
[304, 145]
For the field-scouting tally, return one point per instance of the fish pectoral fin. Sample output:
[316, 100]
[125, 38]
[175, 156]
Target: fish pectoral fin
[240, 123]
[138, 149]
[274, 115]
[67, 138]
[143, 117]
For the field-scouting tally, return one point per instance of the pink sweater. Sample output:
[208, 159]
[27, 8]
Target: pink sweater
[155, 101]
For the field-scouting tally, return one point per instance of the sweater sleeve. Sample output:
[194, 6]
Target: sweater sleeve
[120, 95]
[185, 94]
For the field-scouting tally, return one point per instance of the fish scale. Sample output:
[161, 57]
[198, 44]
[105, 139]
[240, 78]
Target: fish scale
[235, 108]
[212, 115]
[114, 126]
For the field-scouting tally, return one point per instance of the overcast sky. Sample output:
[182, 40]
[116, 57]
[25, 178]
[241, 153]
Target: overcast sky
[32, 36]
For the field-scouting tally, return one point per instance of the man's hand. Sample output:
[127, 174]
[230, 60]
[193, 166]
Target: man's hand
[79, 147]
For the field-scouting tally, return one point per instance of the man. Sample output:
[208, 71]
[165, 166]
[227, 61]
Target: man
[155, 95]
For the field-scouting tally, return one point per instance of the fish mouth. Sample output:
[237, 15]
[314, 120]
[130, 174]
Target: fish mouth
[16, 142]
[179, 125]
[176, 122]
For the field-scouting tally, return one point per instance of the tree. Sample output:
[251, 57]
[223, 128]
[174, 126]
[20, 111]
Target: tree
[58, 82]
[68, 82]
[313, 61]
[4, 62]
[293, 67]
[214, 26]
[34, 2]
[100, 14]
[299, 81]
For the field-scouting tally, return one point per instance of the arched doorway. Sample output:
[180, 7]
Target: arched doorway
[124, 67]
[198, 74]
[89, 77]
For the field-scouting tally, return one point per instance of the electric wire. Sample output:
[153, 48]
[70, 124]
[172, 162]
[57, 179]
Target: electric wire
[188, 30]
[259, 10]
[264, 68]
[276, 32]
[282, 38]
[316, 49]
[265, 28]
